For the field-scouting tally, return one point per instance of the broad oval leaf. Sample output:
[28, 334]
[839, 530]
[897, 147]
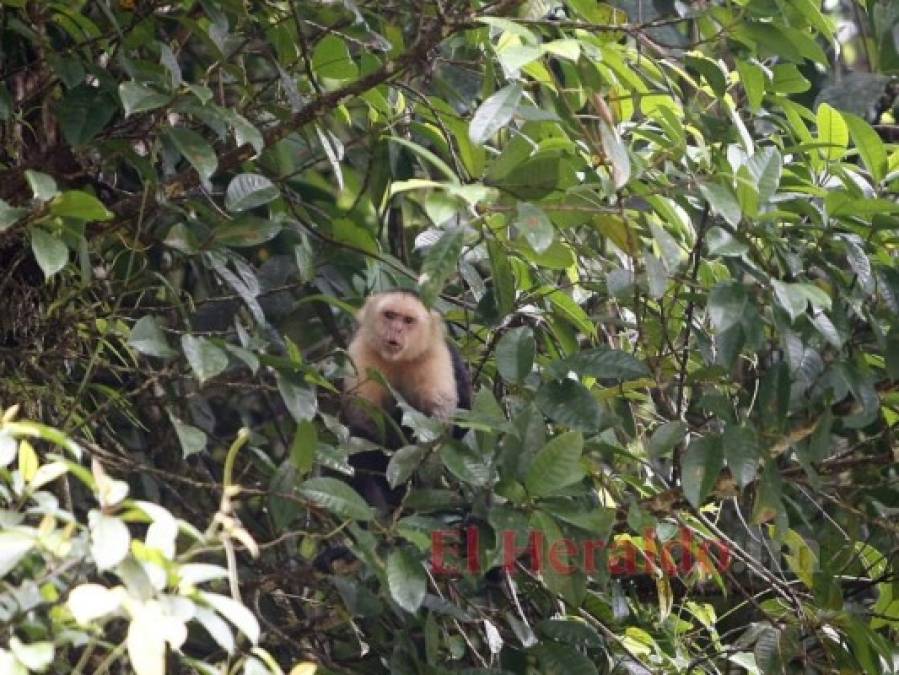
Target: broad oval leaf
[195, 150]
[515, 353]
[700, 467]
[147, 338]
[556, 466]
[205, 359]
[494, 113]
[571, 404]
[249, 190]
[137, 98]
[80, 206]
[337, 497]
[110, 540]
[51, 253]
[406, 580]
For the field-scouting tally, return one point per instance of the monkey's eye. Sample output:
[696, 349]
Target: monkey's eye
[409, 320]
[390, 316]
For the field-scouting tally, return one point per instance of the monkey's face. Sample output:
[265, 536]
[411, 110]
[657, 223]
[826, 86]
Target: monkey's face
[401, 327]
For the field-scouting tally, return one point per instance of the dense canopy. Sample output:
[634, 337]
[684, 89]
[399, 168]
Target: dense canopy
[663, 235]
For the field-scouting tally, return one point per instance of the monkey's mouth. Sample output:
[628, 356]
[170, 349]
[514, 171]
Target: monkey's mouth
[393, 346]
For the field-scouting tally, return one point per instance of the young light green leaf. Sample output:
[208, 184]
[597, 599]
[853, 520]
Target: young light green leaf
[869, 145]
[88, 602]
[331, 59]
[236, 613]
[14, 546]
[147, 338]
[80, 206]
[36, 656]
[248, 190]
[494, 113]
[10, 215]
[303, 448]
[42, 186]
[406, 580]
[832, 131]
[205, 359]
[51, 253]
[191, 439]
[110, 540]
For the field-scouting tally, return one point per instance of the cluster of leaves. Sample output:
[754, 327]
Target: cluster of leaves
[69, 583]
[664, 245]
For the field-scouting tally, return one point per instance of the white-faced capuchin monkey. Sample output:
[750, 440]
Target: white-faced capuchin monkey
[399, 337]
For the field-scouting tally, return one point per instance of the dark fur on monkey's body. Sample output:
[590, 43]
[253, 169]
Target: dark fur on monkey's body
[407, 344]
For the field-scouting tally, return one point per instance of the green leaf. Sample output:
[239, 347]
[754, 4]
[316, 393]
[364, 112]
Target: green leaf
[84, 112]
[205, 359]
[556, 466]
[191, 439]
[10, 215]
[700, 468]
[494, 113]
[723, 202]
[147, 338]
[42, 185]
[607, 364]
[727, 303]
[742, 450]
[406, 580]
[298, 396]
[556, 659]
[515, 354]
[404, 462]
[14, 546]
[440, 262]
[80, 206]
[790, 297]
[303, 448]
[616, 152]
[753, 79]
[503, 281]
[665, 437]
[246, 231]
[248, 190]
[535, 225]
[571, 631]
[788, 80]
[570, 404]
[138, 98]
[331, 59]
[869, 145]
[195, 150]
[337, 497]
[51, 253]
[470, 468]
[832, 131]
